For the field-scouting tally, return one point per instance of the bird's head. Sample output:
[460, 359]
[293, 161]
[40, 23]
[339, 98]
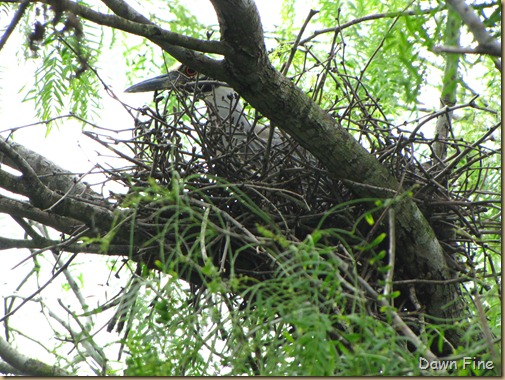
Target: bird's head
[181, 77]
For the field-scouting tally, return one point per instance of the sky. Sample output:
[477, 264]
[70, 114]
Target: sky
[69, 148]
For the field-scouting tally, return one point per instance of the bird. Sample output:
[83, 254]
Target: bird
[236, 149]
[230, 127]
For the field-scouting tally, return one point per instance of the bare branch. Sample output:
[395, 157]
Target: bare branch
[25, 210]
[285, 68]
[15, 20]
[148, 30]
[472, 21]
[45, 198]
[40, 289]
[27, 365]
[50, 174]
[124, 10]
[464, 50]
[377, 16]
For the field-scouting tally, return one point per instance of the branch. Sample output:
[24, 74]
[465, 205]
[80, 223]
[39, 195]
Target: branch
[27, 365]
[45, 198]
[15, 20]
[45, 244]
[377, 16]
[40, 288]
[124, 10]
[25, 210]
[187, 50]
[241, 29]
[294, 48]
[83, 337]
[464, 50]
[145, 28]
[7, 369]
[398, 323]
[49, 173]
[476, 27]
[454, 160]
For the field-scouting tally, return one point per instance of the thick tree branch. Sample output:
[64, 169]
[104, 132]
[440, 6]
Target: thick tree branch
[273, 95]
[46, 199]
[27, 365]
[475, 25]
[7, 369]
[50, 174]
[124, 10]
[25, 210]
[147, 30]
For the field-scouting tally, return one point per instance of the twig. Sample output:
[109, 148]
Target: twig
[388, 286]
[205, 220]
[285, 67]
[63, 267]
[370, 18]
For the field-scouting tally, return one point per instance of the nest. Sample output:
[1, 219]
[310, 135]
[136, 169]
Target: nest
[276, 192]
[197, 196]
[284, 181]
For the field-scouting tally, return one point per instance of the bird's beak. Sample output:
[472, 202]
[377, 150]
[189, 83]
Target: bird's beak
[162, 82]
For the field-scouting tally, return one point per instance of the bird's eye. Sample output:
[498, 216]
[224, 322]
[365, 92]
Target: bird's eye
[189, 72]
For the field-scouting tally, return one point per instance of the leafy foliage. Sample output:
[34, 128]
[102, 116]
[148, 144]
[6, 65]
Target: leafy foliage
[64, 82]
[275, 327]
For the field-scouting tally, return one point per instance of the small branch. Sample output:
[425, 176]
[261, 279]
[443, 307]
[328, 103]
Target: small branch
[388, 286]
[398, 323]
[488, 335]
[471, 147]
[205, 221]
[418, 308]
[437, 114]
[378, 16]
[465, 50]
[311, 14]
[417, 281]
[94, 137]
[61, 269]
[83, 337]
